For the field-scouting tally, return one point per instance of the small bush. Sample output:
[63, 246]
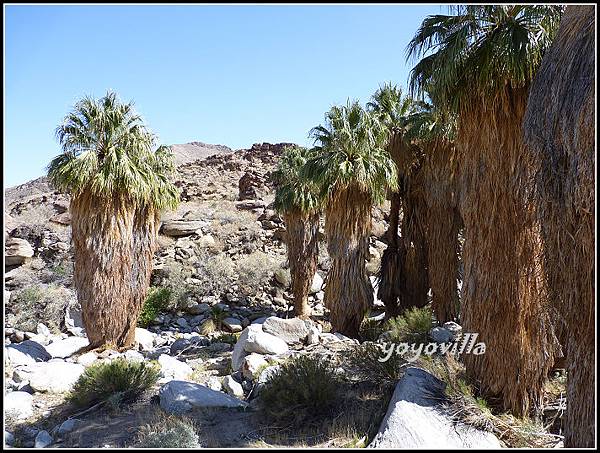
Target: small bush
[255, 271]
[303, 390]
[370, 329]
[118, 381]
[215, 272]
[412, 326]
[365, 361]
[168, 432]
[158, 300]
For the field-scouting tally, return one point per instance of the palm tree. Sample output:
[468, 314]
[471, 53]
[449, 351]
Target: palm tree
[403, 273]
[298, 201]
[559, 128]
[478, 63]
[352, 171]
[432, 130]
[118, 187]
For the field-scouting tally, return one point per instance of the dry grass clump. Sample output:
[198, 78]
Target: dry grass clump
[168, 431]
[366, 362]
[254, 271]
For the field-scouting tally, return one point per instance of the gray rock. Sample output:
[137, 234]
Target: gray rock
[18, 405]
[239, 351]
[415, 419]
[74, 320]
[67, 347]
[214, 383]
[440, 335]
[180, 227]
[9, 438]
[87, 359]
[453, 327]
[43, 439]
[232, 324]
[192, 345]
[54, 376]
[181, 396]
[68, 426]
[198, 309]
[173, 368]
[26, 353]
[133, 356]
[294, 330]
[233, 387]
[313, 336]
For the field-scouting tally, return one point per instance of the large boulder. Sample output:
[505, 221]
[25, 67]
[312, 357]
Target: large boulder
[17, 251]
[239, 351]
[182, 396]
[66, 347]
[416, 419]
[18, 405]
[52, 377]
[144, 338]
[293, 330]
[26, 353]
[181, 227]
[264, 343]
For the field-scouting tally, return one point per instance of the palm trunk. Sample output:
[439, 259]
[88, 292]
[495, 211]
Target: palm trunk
[390, 275]
[102, 231]
[348, 293]
[503, 295]
[303, 249]
[443, 223]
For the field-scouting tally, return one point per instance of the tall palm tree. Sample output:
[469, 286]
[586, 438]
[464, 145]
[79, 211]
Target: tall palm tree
[403, 273]
[299, 203]
[479, 62]
[559, 128]
[352, 171]
[433, 131]
[118, 186]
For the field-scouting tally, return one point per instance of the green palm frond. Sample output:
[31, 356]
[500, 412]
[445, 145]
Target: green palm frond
[478, 50]
[107, 150]
[349, 151]
[293, 193]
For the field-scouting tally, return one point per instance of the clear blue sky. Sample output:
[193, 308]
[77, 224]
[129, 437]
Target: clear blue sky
[231, 75]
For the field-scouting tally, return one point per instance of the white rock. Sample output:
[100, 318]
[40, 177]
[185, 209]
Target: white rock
[233, 387]
[414, 418]
[239, 351]
[87, 359]
[18, 405]
[134, 356]
[67, 347]
[42, 329]
[173, 368]
[54, 376]
[294, 330]
[264, 343]
[214, 383]
[182, 396]
[317, 284]
[26, 353]
[144, 338]
[43, 439]
[313, 336]
[16, 251]
[251, 364]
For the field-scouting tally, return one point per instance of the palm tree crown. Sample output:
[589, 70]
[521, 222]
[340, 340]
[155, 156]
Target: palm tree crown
[294, 192]
[107, 150]
[480, 49]
[350, 152]
[391, 107]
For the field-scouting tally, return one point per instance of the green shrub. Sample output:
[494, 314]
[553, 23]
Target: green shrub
[370, 329]
[412, 326]
[158, 300]
[366, 363]
[168, 432]
[118, 381]
[303, 390]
